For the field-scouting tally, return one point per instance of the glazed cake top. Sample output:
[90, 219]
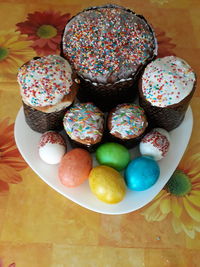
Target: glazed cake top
[107, 44]
[84, 121]
[167, 81]
[127, 120]
[45, 81]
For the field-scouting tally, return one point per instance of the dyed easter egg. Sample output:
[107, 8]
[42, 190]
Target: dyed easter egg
[114, 155]
[75, 167]
[141, 173]
[107, 184]
[51, 147]
[156, 144]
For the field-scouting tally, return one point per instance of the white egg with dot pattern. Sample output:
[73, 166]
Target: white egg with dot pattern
[155, 144]
[52, 147]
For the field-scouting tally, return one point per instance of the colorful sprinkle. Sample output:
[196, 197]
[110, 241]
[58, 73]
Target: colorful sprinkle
[158, 140]
[51, 137]
[107, 44]
[45, 81]
[83, 121]
[128, 120]
[167, 81]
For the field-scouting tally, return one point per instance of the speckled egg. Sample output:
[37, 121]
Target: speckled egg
[156, 143]
[51, 147]
[75, 167]
[107, 184]
[142, 173]
[114, 155]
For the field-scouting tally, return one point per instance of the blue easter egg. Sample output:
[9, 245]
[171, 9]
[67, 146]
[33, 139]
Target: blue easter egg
[141, 173]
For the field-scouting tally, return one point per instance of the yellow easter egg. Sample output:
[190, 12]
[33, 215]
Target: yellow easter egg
[107, 184]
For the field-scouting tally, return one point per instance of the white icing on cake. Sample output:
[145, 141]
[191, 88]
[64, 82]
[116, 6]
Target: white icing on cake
[167, 81]
[83, 121]
[128, 120]
[45, 81]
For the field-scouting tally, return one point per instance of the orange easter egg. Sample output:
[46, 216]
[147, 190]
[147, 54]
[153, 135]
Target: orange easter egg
[75, 167]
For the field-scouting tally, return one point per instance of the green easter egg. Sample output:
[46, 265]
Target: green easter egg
[114, 155]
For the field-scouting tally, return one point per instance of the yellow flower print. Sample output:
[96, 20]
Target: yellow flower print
[180, 199]
[15, 50]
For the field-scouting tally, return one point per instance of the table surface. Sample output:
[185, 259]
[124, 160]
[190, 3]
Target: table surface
[41, 228]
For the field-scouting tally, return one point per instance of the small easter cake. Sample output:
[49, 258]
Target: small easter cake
[126, 124]
[166, 88]
[108, 46]
[84, 125]
[48, 87]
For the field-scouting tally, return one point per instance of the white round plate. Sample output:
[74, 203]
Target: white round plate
[27, 143]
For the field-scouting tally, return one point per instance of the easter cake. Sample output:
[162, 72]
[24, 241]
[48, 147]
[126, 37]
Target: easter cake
[127, 124]
[84, 125]
[108, 46]
[48, 87]
[166, 88]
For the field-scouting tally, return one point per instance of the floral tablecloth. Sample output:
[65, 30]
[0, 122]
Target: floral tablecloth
[41, 228]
